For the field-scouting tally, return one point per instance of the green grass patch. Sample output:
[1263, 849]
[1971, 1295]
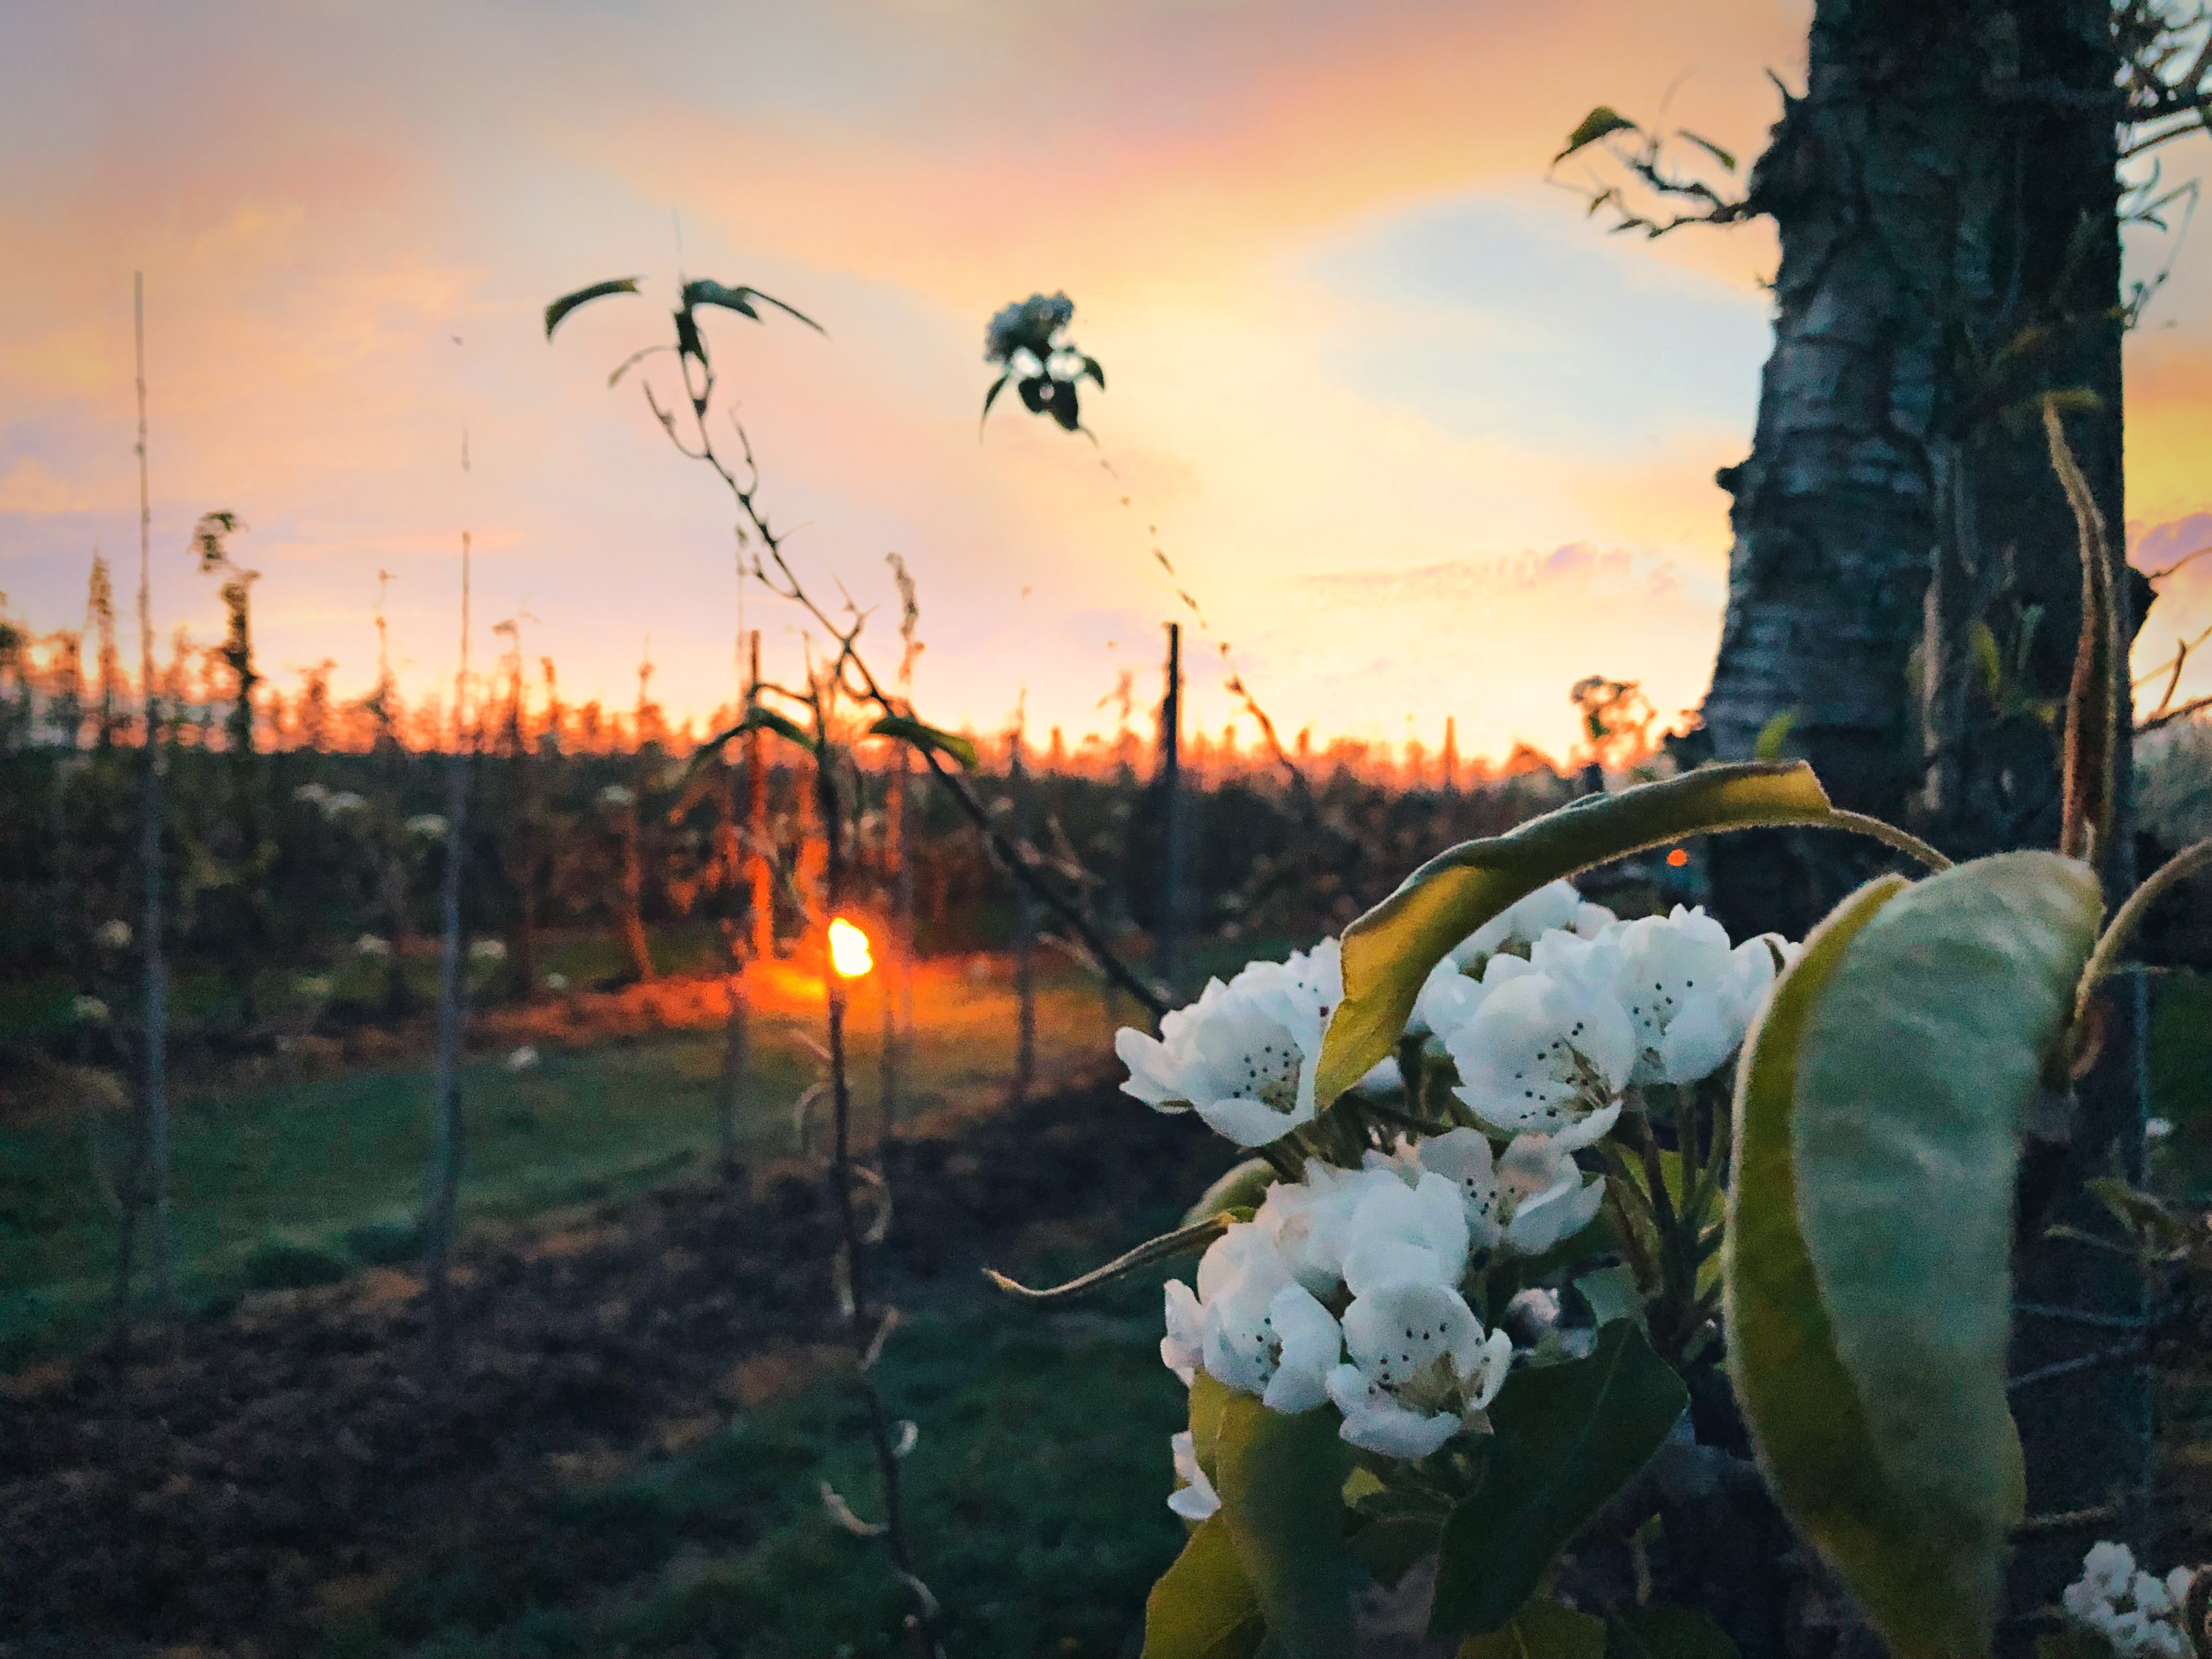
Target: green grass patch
[1036, 1502]
[298, 1183]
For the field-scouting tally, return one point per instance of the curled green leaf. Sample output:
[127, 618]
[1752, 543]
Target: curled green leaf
[907, 729]
[703, 291]
[568, 303]
[1388, 952]
[1184, 1241]
[1600, 123]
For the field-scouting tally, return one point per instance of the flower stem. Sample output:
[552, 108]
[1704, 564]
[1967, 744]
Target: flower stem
[2176, 870]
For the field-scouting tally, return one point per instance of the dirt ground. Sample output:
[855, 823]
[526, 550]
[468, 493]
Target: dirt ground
[216, 1494]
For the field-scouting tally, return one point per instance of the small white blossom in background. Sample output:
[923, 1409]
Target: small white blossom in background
[2158, 1128]
[312, 794]
[368, 945]
[1194, 1499]
[343, 802]
[522, 1059]
[1027, 326]
[487, 950]
[88, 1010]
[114, 935]
[2138, 1612]
[313, 986]
[427, 826]
[617, 794]
[556, 981]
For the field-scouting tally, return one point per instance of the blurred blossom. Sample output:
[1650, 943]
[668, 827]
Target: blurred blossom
[88, 1010]
[368, 945]
[113, 935]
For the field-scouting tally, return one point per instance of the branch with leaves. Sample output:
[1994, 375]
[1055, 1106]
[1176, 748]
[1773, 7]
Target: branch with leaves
[773, 570]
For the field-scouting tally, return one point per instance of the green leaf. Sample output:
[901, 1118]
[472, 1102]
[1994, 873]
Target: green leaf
[1919, 1064]
[1600, 123]
[1726, 158]
[1767, 746]
[1611, 1293]
[1204, 1607]
[991, 396]
[1065, 407]
[1568, 1438]
[1868, 1253]
[1281, 1480]
[1541, 1630]
[1389, 1546]
[1389, 951]
[1666, 1633]
[1989, 665]
[568, 303]
[907, 729]
[1090, 366]
[704, 292]
[758, 718]
[1243, 1186]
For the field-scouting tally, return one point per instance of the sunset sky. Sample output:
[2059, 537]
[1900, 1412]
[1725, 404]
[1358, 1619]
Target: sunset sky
[1419, 436]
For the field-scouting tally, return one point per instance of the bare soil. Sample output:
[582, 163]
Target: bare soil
[221, 1489]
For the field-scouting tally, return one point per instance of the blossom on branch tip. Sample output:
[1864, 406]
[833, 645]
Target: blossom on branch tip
[1421, 1369]
[1264, 1333]
[1543, 1052]
[1401, 1233]
[2133, 1610]
[1242, 1055]
[1689, 996]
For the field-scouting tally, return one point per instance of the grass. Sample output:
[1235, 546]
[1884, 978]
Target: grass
[1035, 1495]
[283, 1183]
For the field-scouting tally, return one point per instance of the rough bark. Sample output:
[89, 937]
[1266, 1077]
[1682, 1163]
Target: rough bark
[1945, 197]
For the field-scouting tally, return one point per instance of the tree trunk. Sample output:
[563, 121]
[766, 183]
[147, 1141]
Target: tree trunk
[1167, 956]
[1945, 194]
[1025, 935]
[441, 1216]
[630, 894]
[898, 976]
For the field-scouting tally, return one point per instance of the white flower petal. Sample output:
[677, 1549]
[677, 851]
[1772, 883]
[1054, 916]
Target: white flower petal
[1312, 1343]
[1542, 1051]
[1196, 1498]
[1251, 1122]
[1374, 1422]
[1154, 1077]
[1463, 1156]
[1182, 1350]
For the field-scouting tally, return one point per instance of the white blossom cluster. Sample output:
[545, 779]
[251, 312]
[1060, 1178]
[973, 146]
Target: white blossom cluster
[1350, 1286]
[331, 804]
[2138, 1612]
[1026, 326]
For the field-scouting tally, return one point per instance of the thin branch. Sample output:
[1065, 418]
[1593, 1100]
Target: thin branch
[2118, 1355]
[2167, 717]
